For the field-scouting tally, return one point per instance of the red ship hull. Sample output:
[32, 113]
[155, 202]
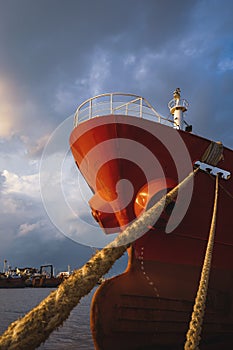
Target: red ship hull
[12, 282]
[149, 306]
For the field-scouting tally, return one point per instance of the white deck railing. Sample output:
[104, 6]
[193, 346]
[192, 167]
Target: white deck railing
[118, 103]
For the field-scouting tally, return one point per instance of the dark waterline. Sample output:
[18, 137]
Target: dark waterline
[75, 332]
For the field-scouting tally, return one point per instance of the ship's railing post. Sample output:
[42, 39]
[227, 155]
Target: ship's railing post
[75, 120]
[90, 109]
[111, 103]
[140, 107]
[126, 109]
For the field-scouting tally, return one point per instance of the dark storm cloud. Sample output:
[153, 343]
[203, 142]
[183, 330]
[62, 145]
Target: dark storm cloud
[49, 48]
[52, 34]
[47, 44]
[41, 251]
[28, 238]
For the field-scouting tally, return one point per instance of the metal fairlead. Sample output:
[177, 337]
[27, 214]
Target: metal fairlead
[223, 174]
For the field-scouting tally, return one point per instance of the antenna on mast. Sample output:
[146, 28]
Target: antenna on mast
[178, 107]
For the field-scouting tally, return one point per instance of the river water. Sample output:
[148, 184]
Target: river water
[73, 335]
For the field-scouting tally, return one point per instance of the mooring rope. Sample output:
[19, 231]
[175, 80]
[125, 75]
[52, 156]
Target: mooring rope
[195, 326]
[36, 326]
[213, 153]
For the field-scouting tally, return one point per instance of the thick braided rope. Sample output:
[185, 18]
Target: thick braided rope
[148, 218]
[36, 326]
[195, 326]
[213, 153]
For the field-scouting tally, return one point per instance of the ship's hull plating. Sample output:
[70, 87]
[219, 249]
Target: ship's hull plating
[12, 283]
[149, 306]
[152, 311]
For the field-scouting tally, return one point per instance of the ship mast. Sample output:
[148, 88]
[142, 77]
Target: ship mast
[177, 107]
[5, 266]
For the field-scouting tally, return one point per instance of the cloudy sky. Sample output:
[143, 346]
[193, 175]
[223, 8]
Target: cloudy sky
[54, 54]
